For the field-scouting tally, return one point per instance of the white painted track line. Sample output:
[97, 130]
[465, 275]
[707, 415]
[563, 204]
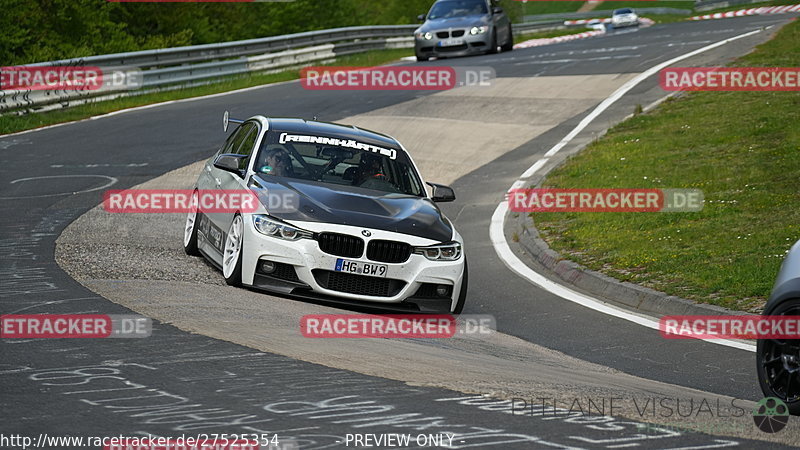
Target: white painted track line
[496, 226]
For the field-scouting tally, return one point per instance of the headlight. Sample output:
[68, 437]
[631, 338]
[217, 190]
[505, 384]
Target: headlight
[478, 30]
[450, 251]
[427, 36]
[277, 229]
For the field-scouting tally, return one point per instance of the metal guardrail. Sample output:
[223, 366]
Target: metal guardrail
[182, 55]
[171, 68]
[190, 64]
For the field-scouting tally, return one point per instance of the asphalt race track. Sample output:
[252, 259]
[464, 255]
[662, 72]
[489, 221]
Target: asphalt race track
[226, 360]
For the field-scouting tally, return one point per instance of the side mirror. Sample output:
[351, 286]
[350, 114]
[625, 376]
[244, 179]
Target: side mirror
[227, 119]
[421, 17]
[442, 193]
[229, 162]
[497, 10]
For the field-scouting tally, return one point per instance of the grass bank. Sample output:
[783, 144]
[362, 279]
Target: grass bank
[741, 148]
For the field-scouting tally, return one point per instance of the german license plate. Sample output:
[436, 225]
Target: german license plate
[361, 268]
[451, 42]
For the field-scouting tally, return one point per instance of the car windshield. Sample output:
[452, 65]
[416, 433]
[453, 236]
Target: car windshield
[457, 8]
[338, 161]
[622, 11]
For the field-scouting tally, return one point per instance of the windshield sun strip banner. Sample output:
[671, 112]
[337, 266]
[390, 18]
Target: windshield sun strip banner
[347, 143]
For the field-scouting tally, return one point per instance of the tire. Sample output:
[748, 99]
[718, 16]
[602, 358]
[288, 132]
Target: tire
[462, 296]
[771, 362]
[493, 43]
[509, 45]
[190, 229]
[422, 58]
[232, 255]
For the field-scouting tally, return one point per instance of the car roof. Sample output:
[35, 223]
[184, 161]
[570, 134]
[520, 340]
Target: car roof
[329, 129]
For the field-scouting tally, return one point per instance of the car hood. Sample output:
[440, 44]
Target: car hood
[347, 205]
[454, 22]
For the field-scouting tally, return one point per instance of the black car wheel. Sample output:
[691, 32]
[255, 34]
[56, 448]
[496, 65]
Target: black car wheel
[493, 42]
[778, 362]
[509, 45]
[422, 58]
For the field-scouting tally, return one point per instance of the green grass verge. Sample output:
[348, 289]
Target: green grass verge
[647, 4]
[748, 6]
[13, 123]
[545, 7]
[741, 148]
[667, 18]
[540, 7]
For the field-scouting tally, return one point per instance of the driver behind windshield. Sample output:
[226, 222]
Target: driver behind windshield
[478, 8]
[277, 162]
[457, 8]
[369, 168]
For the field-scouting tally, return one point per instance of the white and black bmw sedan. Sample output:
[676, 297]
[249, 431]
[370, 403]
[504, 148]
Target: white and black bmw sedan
[342, 214]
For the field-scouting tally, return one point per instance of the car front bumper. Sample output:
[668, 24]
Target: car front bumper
[626, 22]
[468, 44]
[303, 269]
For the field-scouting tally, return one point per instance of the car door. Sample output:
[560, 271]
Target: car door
[214, 225]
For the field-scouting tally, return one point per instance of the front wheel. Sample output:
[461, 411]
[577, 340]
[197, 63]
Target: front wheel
[232, 256]
[493, 42]
[509, 45]
[421, 58]
[778, 362]
[462, 296]
[190, 229]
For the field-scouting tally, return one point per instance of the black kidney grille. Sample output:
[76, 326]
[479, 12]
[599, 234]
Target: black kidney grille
[458, 33]
[358, 284]
[388, 251]
[442, 34]
[341, 245]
